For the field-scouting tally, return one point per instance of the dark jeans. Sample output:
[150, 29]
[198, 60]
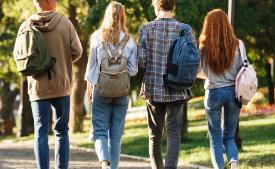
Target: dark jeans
[41, 114]
[169, 114]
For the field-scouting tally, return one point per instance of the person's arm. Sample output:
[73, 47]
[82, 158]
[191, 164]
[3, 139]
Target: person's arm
[91, 67]
[191, 37]
[17, 41]
[141, 50]
[132, 60]
[201, 74]
[89, 91]
[75, 44]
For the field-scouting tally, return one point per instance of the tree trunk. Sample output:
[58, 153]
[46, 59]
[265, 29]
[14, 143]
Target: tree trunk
[1, 10]
[270, 83]
[6, 111]
[51, 124]
[184, 130]
[77, 105]
[25, 111]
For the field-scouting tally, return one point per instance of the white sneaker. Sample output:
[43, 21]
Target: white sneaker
[234, 165]
[105, 165]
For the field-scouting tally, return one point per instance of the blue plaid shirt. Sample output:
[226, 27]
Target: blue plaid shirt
[155, 41]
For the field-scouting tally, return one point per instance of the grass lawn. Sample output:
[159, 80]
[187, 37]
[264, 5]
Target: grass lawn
[257, 133]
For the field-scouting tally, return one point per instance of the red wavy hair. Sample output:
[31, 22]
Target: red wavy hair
[218, 41]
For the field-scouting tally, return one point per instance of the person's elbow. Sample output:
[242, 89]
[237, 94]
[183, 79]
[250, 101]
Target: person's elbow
[133, 72]
[76, 54]
[133, 69]
[142, 64]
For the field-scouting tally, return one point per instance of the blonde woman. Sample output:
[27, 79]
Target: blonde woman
[220, 63]
[108, 113]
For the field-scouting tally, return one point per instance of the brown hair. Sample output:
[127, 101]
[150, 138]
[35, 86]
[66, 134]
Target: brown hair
[218, 41]
[113, 23]
[41, 0]
[166, 5]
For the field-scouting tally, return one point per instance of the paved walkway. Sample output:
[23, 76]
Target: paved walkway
[20, 156]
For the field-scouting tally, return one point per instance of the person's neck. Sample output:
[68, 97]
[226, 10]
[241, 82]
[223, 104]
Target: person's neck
[42, 10]
[165, 14]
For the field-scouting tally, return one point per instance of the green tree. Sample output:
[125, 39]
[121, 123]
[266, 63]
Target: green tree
[257, 29]
[8, 77]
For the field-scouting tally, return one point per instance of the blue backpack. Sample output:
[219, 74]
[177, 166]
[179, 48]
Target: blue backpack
[183, 62]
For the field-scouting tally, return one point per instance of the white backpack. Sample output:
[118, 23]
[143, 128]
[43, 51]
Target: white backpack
[246, 81]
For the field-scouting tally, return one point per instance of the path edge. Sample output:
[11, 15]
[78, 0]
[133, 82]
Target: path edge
[133, 157]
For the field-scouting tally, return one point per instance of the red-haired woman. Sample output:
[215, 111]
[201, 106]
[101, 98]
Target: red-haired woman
[220, 63]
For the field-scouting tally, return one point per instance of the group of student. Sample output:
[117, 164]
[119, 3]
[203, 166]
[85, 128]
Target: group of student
[220, 62]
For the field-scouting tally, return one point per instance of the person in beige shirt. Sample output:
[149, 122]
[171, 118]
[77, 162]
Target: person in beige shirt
[45, 93]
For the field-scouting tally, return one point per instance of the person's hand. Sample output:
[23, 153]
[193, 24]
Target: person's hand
[201, 75]
[89, 91]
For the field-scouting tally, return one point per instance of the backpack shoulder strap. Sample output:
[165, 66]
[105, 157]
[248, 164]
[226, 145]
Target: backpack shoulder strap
[243, 52]
[123, 42]
[184, 30]
[105, 46]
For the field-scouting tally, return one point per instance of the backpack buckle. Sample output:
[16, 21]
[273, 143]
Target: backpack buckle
[115, 60]
[182, 33]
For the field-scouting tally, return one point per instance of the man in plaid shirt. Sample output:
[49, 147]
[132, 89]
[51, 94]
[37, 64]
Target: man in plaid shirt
[155, 41]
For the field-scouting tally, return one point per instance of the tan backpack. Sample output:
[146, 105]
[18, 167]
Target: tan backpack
[114, 79]
[246, 81]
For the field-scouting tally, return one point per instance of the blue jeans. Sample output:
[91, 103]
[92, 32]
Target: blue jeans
[41, 110]
[215, 100]
[108, 119]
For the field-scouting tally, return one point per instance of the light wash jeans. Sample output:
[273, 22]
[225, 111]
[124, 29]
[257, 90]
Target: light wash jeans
[215, 100]
[41, 110]
[108, 119]
[170, 115]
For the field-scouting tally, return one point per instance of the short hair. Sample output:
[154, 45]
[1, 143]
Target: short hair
[166, 5]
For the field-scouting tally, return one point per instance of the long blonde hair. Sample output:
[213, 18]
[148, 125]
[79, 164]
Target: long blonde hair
[218, 41]
[113, 23]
